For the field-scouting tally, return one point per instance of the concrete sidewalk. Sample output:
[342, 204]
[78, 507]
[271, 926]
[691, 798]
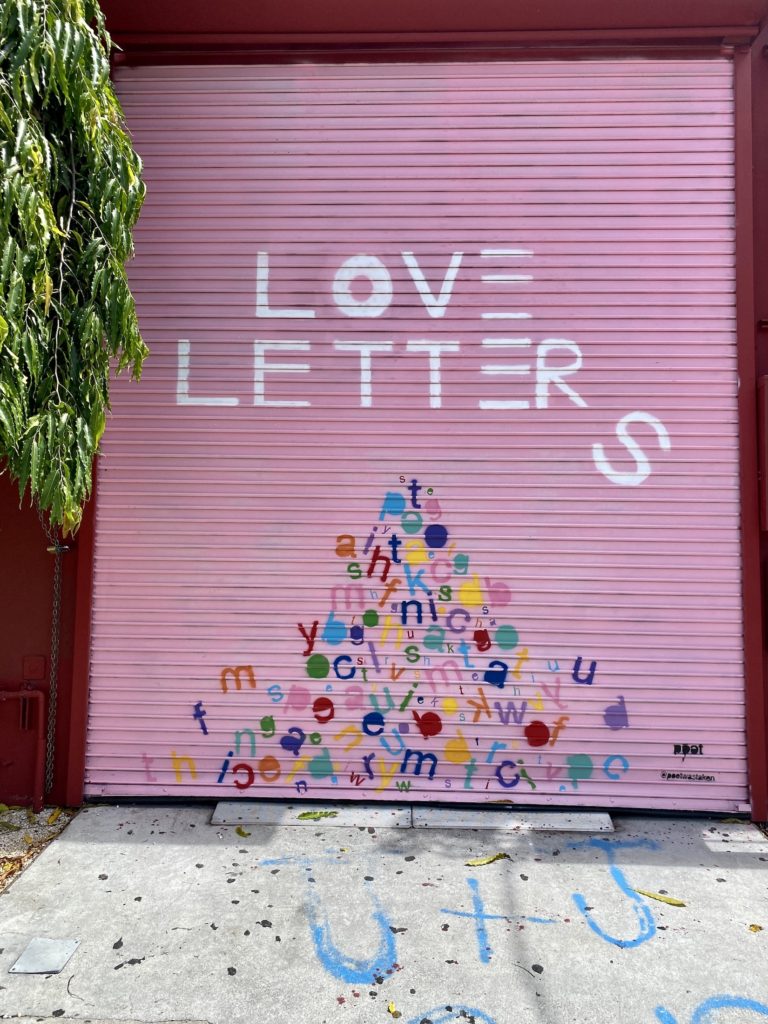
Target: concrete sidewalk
[183, 921]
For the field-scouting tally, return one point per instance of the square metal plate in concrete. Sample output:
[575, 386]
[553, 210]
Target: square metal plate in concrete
[274, 812]
[510, 821]
[45, 956]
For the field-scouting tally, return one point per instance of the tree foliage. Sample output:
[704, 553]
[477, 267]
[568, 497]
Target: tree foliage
[70, 193]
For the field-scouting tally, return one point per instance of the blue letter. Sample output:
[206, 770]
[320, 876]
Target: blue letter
[647, 925]
[347, 968]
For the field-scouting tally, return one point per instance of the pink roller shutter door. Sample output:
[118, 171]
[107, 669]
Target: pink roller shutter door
[429, 490]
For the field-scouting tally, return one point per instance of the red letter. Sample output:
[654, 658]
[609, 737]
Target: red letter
[323, 710]
[242, 767]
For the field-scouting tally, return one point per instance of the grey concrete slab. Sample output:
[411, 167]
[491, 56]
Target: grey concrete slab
[279, 812]
[87, 1020]
[183, 921]
[507, 819]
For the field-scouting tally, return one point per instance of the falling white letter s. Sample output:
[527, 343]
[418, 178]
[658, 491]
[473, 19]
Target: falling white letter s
[643, 466]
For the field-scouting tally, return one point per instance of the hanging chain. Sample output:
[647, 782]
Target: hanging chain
[57, 549]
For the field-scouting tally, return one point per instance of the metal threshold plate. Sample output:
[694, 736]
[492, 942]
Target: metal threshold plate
[274, 812]
[45, 956]
[511, 821]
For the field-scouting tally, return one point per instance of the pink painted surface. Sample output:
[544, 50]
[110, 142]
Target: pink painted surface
[497, 207]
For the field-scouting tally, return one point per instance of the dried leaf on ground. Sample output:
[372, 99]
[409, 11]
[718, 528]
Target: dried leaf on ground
[316, 815]
[671, 900]
[479, 862]
[8, 867]
[24, 836]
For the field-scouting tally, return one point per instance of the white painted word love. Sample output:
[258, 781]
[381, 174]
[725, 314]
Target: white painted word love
[374, 272]
[543, 366]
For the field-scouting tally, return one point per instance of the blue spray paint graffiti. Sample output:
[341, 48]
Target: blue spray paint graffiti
[645, 920]
[705, 1012]
[456, 1013]
[479, 916]
[361, 969]
[341, 965]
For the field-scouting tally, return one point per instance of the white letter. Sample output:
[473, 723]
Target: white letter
[182, 381]
[436, 307]
[260, 367]
[434, 348]
[364, 348]
[497, 369]
[262, 294]
[546, 375]
[496, 254]
[381, 283]
[643, 469]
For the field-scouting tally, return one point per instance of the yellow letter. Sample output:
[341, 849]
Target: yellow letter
[354, 731]
[237, 674]
[457, 749]
[345, 546]
[386, 774]
[178, 762]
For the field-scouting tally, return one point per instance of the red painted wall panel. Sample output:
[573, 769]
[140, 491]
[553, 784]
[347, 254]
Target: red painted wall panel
[345, 16]
[26, 578]
[26, 589]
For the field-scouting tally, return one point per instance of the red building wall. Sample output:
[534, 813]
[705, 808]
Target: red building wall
[145, 29]
[26, 596]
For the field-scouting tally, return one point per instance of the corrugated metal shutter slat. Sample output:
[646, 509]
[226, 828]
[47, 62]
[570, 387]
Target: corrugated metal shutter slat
[563, 233]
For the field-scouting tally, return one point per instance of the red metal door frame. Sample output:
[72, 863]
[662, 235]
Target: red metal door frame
[757, 758]
[756, 335]
[751, 93]
[70, 761]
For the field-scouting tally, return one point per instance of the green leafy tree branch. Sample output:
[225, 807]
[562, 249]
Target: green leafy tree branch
[70, 194]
